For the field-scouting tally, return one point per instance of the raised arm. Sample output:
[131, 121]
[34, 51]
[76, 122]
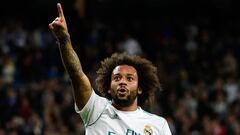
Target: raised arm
[81, 84]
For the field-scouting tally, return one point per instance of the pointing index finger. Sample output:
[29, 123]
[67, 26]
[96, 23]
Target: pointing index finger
[60, 11]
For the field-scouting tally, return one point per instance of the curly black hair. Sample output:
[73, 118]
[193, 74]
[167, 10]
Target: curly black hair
[147, 74]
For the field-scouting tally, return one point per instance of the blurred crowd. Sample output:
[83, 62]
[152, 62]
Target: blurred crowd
[197, 64]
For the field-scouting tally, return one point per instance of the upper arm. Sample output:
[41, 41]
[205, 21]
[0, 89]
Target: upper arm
[166, 129]
[82, 89]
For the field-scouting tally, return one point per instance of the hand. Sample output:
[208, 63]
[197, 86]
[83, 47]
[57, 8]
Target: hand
[59, 25]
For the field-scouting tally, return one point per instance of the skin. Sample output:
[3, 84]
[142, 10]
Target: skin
[82, 88]
[123, 89]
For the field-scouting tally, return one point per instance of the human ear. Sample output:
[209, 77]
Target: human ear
[139, 91]
[109, 91]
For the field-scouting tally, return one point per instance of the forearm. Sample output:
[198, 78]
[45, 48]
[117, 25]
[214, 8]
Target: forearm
[81, 85]
[70, 60]
[80, 82]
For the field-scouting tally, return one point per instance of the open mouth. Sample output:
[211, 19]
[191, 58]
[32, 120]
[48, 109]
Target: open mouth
[122, 91]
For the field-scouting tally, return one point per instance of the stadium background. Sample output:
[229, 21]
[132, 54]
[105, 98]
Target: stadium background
[194, 44]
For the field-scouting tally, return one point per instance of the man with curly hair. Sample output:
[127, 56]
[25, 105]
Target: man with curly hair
[125, 81]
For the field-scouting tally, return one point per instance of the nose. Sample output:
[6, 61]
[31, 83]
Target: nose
[123, 81]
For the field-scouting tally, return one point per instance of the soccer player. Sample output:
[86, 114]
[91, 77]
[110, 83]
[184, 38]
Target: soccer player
[125, 81]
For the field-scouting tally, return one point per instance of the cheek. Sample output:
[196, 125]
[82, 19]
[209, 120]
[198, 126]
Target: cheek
[112, 86]
[135, 85]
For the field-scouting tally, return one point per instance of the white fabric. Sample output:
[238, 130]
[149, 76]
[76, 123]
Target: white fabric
[101, 118]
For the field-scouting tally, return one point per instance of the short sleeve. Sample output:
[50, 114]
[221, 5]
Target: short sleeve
[93, 109]
[166, 129]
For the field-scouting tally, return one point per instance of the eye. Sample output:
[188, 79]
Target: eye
[116, 78]
[130, 79]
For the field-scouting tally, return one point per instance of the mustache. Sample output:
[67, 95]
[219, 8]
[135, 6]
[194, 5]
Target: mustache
[122, 87]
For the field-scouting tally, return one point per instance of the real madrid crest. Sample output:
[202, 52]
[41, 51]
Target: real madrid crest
[148, 130]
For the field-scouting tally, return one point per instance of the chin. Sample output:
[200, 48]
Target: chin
[123, 101]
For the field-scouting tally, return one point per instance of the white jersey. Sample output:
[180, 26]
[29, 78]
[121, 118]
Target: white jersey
[101, 118]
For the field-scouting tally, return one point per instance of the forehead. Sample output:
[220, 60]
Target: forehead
[124, 69]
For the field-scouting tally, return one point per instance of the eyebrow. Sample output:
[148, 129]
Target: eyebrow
[127, 74]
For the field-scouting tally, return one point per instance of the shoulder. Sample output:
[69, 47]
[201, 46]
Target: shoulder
[95, 106]
[153, 117]
[92, 101]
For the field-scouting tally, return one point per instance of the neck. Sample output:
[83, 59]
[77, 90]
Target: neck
[132, 107]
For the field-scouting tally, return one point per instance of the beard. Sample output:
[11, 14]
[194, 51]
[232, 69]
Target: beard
[124, 101]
